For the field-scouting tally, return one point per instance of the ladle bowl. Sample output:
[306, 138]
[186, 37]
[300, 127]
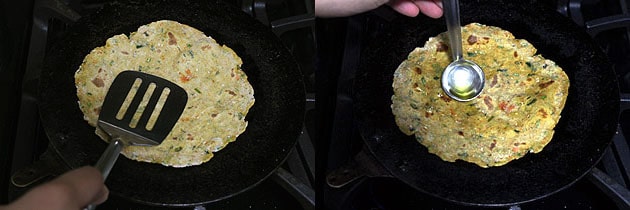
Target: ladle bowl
[462, 80]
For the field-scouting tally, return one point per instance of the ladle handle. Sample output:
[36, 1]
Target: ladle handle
[451, 13]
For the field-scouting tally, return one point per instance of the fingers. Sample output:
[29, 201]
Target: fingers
[411, 8]
[341, 8]
[73, 190]
[86, 183]
[102, 196]
[431, 8]
[405, 7]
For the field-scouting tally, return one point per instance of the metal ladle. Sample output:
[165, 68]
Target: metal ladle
[462, 80]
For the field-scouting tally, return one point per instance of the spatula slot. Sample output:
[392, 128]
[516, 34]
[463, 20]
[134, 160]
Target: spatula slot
[158, 108]
[143, 106]
[130, 95]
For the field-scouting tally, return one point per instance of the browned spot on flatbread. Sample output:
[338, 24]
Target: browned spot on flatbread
[441, 47]
[506, 106]
[445, 98]
[171, 39]
[543, 112]
[494, 81]
[472, 39]
[488, 101]
[206, 47]
[417, 69]
[98, 82]
[545, 84]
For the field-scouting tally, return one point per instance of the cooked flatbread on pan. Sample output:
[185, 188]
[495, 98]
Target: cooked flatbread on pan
[515, 114]
[219, 95]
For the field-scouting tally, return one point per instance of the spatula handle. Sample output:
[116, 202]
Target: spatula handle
[107, 160]
[109, 157]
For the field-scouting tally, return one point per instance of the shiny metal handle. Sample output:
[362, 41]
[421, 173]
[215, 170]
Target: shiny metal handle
[451, 13]
[109, 157]
[107, 160]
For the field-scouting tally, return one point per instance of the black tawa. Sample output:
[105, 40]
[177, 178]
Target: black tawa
[275, 120]
[588, 121]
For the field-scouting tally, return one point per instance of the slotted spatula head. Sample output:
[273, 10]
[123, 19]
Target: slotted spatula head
[141, 109]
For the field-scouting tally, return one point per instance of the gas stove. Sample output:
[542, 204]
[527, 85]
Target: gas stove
[341, 42]
[24, 145]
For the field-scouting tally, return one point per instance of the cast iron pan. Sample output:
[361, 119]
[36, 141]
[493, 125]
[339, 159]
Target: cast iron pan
[587, 125]
[274, 121]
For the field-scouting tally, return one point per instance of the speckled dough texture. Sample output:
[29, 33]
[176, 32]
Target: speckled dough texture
[514, 115]
[219, 95]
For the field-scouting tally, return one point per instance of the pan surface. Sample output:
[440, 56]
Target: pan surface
[274, 121]
[586, 128]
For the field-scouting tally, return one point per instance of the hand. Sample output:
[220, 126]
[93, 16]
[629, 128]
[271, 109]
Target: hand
[411, 8]
[73, 190]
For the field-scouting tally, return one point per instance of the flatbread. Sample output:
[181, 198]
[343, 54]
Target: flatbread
[514, 115]
[219, 95]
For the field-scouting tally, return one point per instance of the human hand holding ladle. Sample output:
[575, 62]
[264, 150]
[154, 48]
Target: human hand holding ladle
[462, 80]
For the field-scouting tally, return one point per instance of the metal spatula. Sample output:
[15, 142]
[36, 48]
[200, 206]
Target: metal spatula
[127, 120]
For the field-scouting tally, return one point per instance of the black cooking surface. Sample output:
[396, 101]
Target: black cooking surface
[274, 121]
[26, 142]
